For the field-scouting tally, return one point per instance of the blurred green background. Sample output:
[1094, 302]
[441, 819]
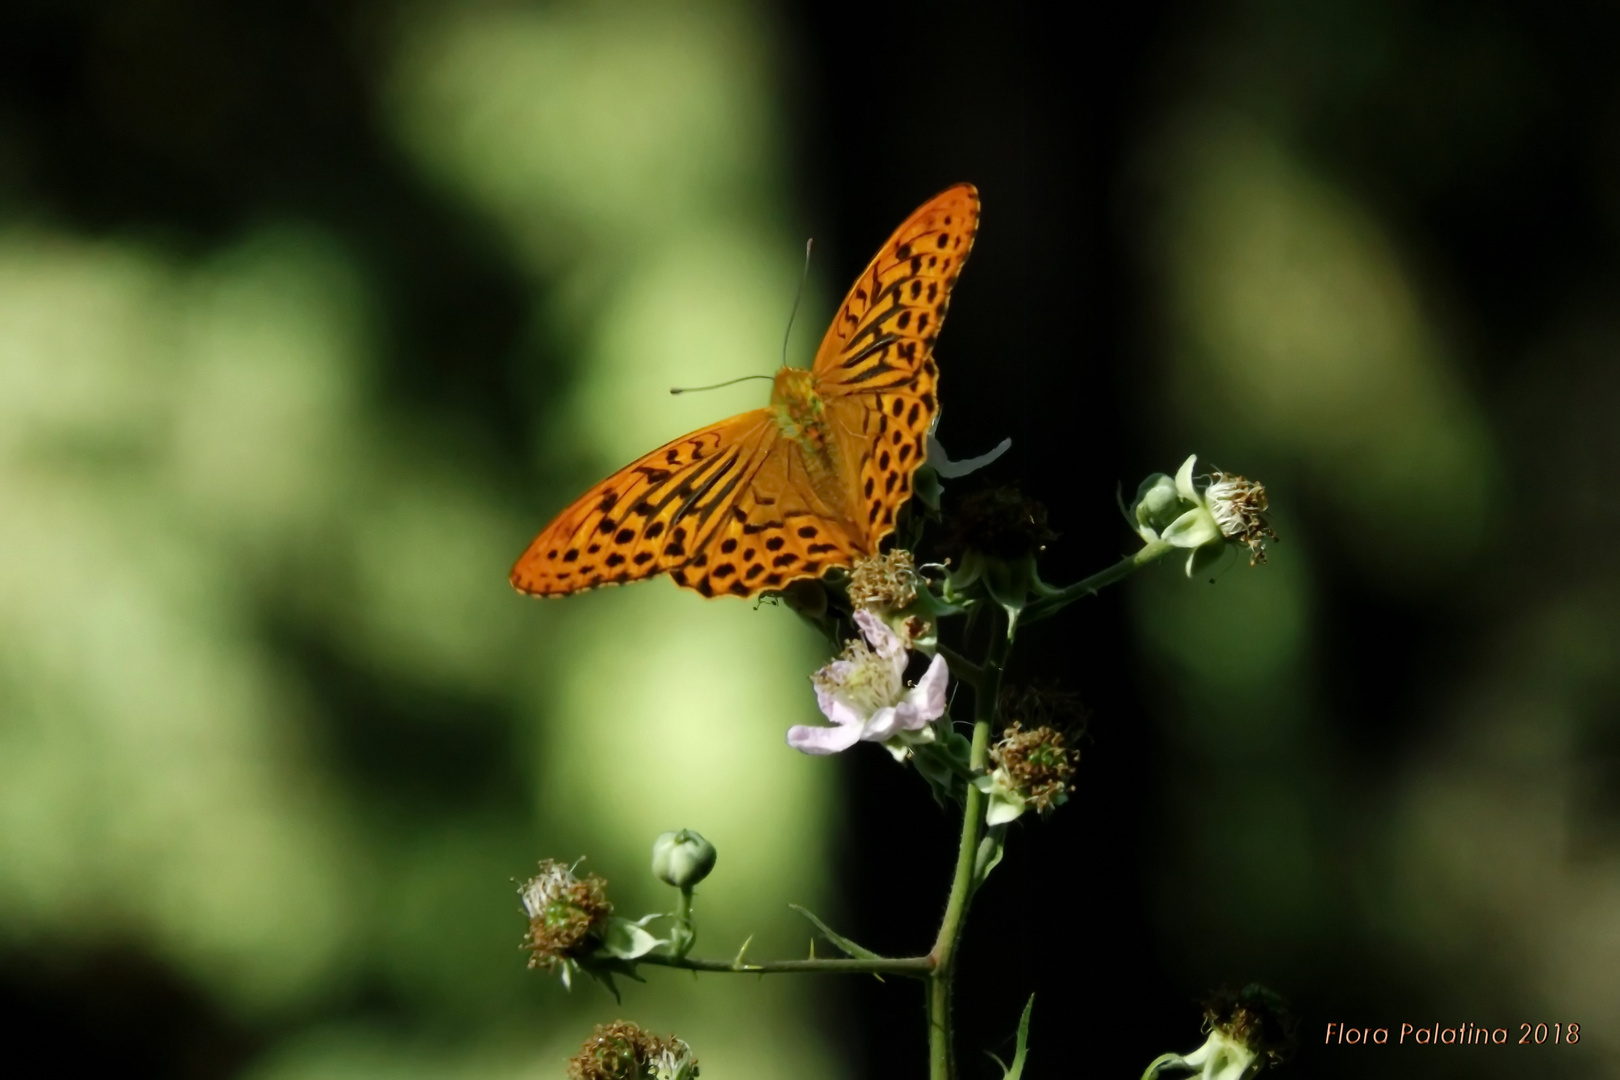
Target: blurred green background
[312, 314]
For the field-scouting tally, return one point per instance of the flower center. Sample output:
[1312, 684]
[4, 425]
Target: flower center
[864, 681]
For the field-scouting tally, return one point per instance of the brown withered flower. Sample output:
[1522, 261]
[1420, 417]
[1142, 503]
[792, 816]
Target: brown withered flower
[884, 582]
[623, 1051]
[1001, 522]
[563, 912]
[1035, 759]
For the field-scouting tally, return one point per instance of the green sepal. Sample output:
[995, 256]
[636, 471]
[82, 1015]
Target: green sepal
[1193, 529]
[1002, 806]
[1203, 558]
[623, 939]
[1152, 1071]
[932, 607]
[680, 942]
[1010, 584]
[603, 968]
[991, 849]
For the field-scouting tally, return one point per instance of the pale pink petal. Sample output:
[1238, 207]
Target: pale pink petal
[929, 694]
[823, 740]
[839, 712]
[907, 717]
[885, 642]
[882, 726]
[924, 702]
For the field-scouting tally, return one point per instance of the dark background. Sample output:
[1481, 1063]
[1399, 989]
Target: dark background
[1480, 139]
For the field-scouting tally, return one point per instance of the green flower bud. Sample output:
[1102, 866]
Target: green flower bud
[1157, 505]
[682, 858]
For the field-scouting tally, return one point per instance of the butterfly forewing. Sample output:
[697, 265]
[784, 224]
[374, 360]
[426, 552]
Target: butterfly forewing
[885, 329]
[651, 515]
[876, 366]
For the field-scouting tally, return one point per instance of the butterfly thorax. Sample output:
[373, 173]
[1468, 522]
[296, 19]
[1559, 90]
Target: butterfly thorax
[800, 413]
[801, 416]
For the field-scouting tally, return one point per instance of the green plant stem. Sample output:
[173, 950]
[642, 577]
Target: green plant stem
[1059, 599]
[917, 967]
[943, 954]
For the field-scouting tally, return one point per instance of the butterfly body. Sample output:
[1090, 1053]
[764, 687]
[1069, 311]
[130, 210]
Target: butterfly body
[800, 414]
[811, 481]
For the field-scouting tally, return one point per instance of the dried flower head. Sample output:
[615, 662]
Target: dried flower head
[1036, 764]
[1239, 506]
[563, 911]
[1036, 756]
[1246, 1030]
[1000, 522]
[884, 582]
[1253, 1017]
[623, 1051]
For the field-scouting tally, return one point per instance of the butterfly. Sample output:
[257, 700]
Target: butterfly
[808, 483]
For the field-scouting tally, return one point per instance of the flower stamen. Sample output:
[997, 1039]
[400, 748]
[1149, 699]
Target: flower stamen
[1239, 506]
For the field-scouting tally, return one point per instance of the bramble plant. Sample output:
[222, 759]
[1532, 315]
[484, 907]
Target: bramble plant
[888, 617]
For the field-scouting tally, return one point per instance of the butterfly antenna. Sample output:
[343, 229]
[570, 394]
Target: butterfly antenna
[716, 386]
[797, 296]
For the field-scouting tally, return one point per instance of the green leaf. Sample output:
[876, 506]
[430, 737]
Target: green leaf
[848, 947]
[1020, 1049]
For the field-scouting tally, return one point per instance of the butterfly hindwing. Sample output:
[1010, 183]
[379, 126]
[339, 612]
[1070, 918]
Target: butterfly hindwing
[885, 437]
[779, 530]
[650, 516]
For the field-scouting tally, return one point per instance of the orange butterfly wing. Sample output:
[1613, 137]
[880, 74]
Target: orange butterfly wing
[875, 366]
[651, 515]
[781, 528]
[736, 507]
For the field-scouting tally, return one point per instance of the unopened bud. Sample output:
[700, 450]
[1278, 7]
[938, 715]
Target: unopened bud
[682, 858]
[1157, 505]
